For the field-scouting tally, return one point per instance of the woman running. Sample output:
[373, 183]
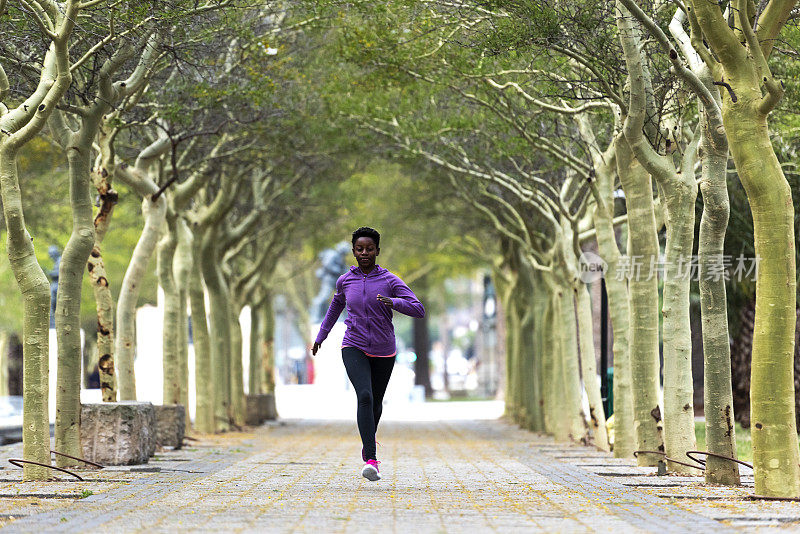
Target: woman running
[368, 349]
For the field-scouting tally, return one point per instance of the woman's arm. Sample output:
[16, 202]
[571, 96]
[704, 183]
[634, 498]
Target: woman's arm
[404, 300]
[334, 310]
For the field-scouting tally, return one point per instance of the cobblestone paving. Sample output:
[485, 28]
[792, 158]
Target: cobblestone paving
[454, 476]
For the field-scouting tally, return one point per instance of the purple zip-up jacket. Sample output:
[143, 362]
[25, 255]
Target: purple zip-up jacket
[369, 321]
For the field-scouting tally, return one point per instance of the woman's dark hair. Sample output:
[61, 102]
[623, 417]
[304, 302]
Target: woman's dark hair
[366, 231]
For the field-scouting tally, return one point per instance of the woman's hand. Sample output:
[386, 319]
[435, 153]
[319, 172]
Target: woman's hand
[315, 348]
[386, 300]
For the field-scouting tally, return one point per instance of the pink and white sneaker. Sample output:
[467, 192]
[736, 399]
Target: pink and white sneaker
[370, 470]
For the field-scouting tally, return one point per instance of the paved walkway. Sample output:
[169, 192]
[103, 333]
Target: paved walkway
[449, 476]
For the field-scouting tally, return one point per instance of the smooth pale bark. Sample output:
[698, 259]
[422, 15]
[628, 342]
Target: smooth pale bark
[35, 290]
[174, 262]
[743, 65]
[713, 154]
[142, 179]
[20, 125]
[679, 434]
[539, 300]
[643, 299]
[238, 401]
[597, 418]
[166, 279]
[679, 193]
[255, 379]
[583, 332]
[772, 407]
[618, 307]
[268, 345]
[506, 285]
[560, 401]
[110, 94]
[518, 374]
[219, 328]
[204, 375]
[513, 408]
[616, 291]
[182, 265]
[77, 146]
[551, 340]
[68, 300]
[717, 394]
[569, 373]
[125, 346]
[526, 383]
[4, 338]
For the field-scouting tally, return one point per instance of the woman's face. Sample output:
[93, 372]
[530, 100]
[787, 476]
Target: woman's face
[365, 252]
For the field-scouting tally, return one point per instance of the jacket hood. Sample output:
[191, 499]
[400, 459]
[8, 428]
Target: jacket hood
[355, 269]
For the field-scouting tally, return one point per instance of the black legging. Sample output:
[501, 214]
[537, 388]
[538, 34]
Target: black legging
[369, 376]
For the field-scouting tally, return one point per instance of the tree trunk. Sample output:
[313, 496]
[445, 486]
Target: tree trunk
[182, 265]
[238, 406]
[717, 393]
[422, 347]
[597, 417]
[68, 300]
[154, 215]
[741, 60]
[268, 344]
[444, 339]
[570, 372]
[255, 372]
[524, 356]
[104, 301]
[166, 279]
[679, 199]
[505, 291]
[772, 410]
[422, 369]
[203, 365]
[219, 331]
[580, 304]
[4, 364]
[550, 341]
[618, 305]
[561, 402]
[643, 298]
[35, 290]
[537, 349]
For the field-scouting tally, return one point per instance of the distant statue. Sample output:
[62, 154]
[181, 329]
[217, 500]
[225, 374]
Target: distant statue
[333, 266]
[55, 255]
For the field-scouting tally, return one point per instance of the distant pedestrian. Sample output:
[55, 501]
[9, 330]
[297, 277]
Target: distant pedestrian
[370, 293]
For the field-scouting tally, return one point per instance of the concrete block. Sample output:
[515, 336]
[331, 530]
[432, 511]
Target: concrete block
[253, 416]
[118, 433]
[270, 411]
[170, 425]
[261, 408]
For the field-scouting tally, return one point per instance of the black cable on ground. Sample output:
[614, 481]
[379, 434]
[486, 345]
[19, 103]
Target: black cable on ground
[76, 458]
[701, 467]
[18, 462]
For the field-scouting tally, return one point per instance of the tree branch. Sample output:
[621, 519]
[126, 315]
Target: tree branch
[771, 22]
[41, 18]
[691, 79]
[709, 18]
